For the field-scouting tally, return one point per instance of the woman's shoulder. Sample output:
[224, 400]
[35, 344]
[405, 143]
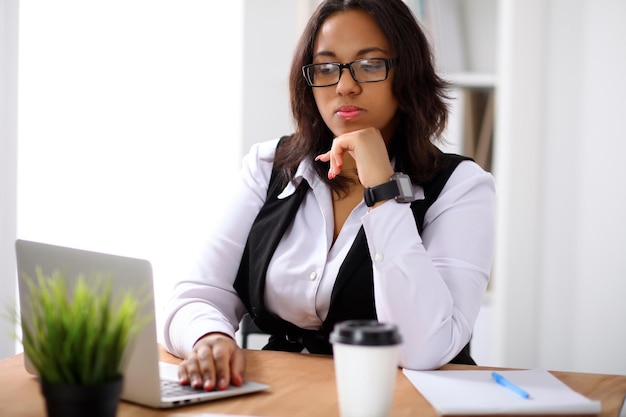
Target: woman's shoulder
[471, 168]
[258, 162]
[469, 173]
[263, 151]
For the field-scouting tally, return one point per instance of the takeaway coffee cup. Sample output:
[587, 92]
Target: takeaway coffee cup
[366, 362]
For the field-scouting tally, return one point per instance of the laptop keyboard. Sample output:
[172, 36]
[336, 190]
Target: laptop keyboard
[174, 389]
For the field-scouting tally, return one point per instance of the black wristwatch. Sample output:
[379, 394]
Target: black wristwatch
[399, 188]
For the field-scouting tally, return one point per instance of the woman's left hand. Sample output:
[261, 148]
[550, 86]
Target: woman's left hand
[368, 149]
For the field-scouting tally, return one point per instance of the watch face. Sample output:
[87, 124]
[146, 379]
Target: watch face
[405, 187]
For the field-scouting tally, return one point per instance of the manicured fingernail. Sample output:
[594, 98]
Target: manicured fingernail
[222, 384]
[238, 381]
[208, 386]
[330, 175]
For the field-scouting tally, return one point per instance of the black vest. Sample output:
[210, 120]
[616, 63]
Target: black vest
[352, 296]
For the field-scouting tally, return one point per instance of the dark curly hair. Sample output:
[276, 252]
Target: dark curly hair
[421, 94]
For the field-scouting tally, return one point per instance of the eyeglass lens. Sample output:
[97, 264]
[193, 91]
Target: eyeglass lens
[362, 70]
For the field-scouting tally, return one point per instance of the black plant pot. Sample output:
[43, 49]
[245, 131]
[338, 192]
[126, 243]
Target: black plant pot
[99, 400]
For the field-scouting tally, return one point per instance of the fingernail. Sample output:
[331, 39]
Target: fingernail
[330, 175]
[238, 381]
[222, 384]
[208, 386]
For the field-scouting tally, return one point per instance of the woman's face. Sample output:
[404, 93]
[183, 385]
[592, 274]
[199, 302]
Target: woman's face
[350, 105]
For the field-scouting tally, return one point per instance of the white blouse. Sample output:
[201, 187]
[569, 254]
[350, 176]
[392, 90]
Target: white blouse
[430, 285]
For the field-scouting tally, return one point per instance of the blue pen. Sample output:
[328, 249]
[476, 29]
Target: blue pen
[508, 384]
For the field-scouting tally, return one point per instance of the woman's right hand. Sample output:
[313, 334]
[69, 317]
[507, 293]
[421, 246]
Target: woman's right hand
[368, 149]
[214, 362]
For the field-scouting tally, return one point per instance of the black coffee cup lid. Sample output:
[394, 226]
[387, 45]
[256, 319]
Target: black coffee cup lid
[366, 333]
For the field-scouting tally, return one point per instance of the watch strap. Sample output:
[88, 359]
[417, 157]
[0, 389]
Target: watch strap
[381, 192]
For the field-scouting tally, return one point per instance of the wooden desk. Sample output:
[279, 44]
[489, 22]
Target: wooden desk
[301, 385]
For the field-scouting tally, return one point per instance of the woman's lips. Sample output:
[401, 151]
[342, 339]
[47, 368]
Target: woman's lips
[348, 112]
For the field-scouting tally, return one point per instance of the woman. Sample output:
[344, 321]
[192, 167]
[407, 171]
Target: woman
[322, 230]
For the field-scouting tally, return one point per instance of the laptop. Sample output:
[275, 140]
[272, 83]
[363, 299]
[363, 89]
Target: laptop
[146, 380]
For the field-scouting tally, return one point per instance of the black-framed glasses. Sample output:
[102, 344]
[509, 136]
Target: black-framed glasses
[367, 70]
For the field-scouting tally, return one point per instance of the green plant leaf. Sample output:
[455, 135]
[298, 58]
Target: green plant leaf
[80, 333]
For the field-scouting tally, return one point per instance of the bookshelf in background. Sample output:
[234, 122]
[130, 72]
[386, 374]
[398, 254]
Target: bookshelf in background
[463, 35]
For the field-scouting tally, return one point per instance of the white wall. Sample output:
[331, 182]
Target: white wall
[129, 121]
[596, 283]
[601, 240]
[560, 225]
[8, 168]
[559, 285]
[517, 153]
[271, 31]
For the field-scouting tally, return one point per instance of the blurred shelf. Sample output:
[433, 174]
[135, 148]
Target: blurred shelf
[471, 79]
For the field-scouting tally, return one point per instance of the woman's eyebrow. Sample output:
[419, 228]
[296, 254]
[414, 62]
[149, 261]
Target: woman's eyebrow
[324, 53]
[360, 52]
[371, 49]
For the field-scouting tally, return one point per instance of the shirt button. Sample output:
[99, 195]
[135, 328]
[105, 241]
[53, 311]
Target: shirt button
[378, 257]
[312, 276]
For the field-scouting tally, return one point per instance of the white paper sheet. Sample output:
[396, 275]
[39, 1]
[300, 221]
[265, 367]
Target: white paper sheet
[475, 392]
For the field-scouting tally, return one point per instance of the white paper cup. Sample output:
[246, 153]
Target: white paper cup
[366, 363]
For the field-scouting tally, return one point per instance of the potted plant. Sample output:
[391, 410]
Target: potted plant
[76, 336]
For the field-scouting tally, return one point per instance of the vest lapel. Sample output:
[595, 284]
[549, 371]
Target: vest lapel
[268, 228]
